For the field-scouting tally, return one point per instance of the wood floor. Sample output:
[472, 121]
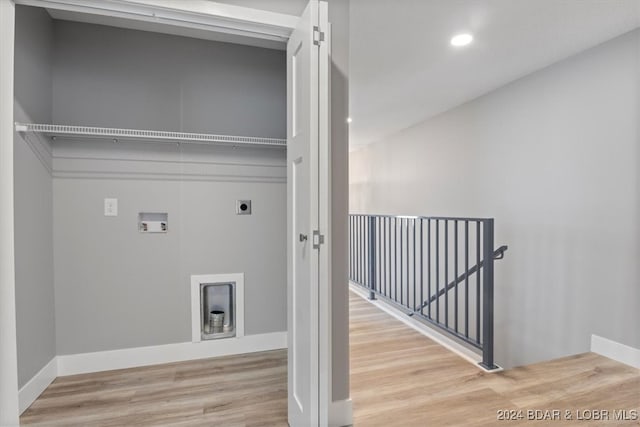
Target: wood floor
[398, 378]
[247, 390]
[401, 378]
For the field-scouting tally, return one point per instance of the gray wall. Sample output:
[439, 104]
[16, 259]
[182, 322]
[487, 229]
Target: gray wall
[35, 318]
[32, 62]
[339, 19]
[113, 77]
[555, 158]
[117, 288]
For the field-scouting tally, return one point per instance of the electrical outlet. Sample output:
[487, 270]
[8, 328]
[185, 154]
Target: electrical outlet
[243, 207]
[110, 207]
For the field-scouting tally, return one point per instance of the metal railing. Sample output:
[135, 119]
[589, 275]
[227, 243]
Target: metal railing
[440, 269]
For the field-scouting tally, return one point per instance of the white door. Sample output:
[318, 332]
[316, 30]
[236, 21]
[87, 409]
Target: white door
[308, 94]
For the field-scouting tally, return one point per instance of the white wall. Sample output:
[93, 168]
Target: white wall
[555, 158]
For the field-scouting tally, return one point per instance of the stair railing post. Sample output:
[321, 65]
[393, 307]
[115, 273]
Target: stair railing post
[487, 294]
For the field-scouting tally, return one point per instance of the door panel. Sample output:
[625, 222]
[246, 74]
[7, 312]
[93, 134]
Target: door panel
[303, 211]
[301, 295]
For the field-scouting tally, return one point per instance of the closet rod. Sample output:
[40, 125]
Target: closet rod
[148, 135]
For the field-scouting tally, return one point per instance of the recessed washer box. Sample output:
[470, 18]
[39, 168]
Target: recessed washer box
[153, 222]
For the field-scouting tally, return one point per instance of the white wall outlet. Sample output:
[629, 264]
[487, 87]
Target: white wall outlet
[110, 207]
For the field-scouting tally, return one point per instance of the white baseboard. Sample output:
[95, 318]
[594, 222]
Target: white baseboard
[36, 385]
[614, 350]
[144, 356]
[425, 330]
[341, 413]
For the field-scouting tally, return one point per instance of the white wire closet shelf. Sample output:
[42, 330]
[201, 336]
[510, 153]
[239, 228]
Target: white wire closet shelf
[115, 134]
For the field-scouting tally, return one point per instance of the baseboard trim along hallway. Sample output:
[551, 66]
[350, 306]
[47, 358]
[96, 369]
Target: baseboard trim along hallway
[616, 351]
[341, 413]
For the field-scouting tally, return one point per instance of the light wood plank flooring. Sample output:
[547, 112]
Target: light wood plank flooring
[401, 378]
[398, 378]
[247, 390]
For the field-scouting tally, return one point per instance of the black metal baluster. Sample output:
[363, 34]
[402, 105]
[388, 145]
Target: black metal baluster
[466, 279]
[389, 267]
[478, 282]
[356, 258]
[429, 265]
[349, 249]
[353, 251]
[406, 263]
[395, 259]
[413, 304]
[362, 257]
[455, 269]
[378, 255]
[401, 260]
[421, 267]
[372, 257]
[383, 264]
[407, 276]
[437, 270]
[446, 273]
[390, 258]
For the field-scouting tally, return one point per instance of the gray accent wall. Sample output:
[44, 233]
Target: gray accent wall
[115, 287]
[339, 19]
[35, 317]
[118, 288]
[33, 58]
[114, 77]
[555, 158]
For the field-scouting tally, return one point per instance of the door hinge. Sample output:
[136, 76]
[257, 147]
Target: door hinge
[318, 239]
[318, 36]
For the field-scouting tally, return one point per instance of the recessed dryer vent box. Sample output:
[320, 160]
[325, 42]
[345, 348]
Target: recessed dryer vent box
[243, 207]
[153, 222]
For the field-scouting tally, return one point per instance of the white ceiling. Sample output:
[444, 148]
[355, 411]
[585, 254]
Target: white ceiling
[403, 69]
[279, 11]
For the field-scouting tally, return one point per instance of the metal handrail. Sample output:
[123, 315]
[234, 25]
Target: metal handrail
[497, 255]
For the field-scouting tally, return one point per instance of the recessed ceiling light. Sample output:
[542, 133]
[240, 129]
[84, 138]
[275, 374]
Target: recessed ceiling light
[349, 119]
[461, 39]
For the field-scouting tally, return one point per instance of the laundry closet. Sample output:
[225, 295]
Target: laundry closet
[149, 168]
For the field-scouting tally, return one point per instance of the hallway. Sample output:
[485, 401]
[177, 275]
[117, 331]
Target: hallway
[401, 378]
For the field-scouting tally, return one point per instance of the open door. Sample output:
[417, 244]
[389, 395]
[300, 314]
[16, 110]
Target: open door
[307, 169]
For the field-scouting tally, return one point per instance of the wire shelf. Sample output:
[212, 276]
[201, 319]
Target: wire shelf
[147, 135]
